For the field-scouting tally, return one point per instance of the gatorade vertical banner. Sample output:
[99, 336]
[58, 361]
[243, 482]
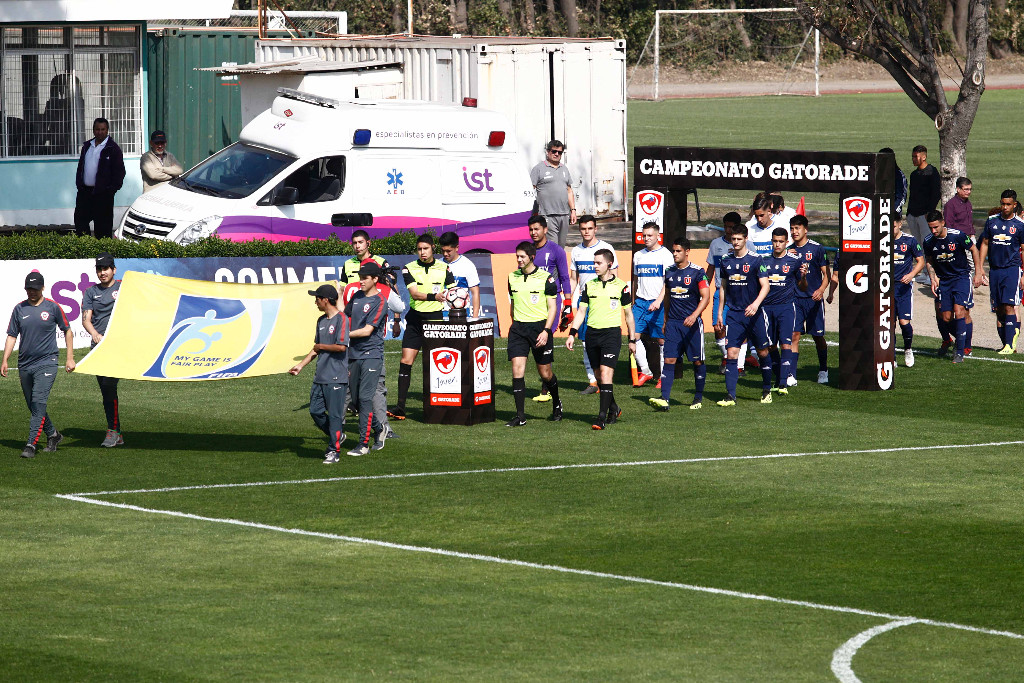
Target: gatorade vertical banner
[867, 349]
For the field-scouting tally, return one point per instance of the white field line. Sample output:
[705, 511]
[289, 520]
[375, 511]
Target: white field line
[842, 658]
[549, 468]
[546, 567]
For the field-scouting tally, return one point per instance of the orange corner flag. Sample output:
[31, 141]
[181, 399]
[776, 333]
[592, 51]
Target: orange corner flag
[800, 208]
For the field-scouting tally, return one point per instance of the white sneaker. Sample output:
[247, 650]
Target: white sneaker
[791, 381]
[908, 358]
[823, 377]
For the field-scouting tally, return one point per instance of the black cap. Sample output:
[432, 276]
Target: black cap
[105, 260]
[158, 136]
[34, 280]
[371, 269]
[325, 292]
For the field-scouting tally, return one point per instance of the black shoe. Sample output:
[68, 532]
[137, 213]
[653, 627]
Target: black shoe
[397, 413]
[52, 441]
[516, 421]
[589, 389]
[556, 413]
[598, 424]
[614, 414]
[29, 451]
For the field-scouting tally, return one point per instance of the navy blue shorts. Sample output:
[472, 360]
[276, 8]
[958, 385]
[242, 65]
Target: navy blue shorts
[648, 322]
[739, 328]
[781, 322]
[903, 295]
[680, 339]
[1004, 285]
[810, 317]
[959, 292]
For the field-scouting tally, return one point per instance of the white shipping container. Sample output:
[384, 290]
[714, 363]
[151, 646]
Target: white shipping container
[573, 90]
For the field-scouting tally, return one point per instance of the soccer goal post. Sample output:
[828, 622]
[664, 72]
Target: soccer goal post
[705, 39]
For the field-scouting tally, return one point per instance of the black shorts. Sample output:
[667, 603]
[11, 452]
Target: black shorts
[521, 340]
[413, 337]
[603, 346]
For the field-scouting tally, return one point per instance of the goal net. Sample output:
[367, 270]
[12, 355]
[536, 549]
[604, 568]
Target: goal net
[730, 52]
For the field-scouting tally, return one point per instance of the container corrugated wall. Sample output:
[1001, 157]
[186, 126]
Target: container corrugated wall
[200, 111]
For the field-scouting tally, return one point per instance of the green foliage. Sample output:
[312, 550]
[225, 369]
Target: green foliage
[51, 245]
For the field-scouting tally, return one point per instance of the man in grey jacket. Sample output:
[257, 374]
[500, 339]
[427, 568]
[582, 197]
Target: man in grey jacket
[158, 165]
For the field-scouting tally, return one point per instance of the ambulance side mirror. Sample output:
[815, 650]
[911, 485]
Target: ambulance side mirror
[352, 220]
[287, 196]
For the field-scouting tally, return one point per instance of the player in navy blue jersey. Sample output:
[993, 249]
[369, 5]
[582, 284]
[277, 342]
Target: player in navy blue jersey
[745, 282]
[687, 294]
[810, 304]
[907, 262]
[1001, 241]
[946, 251]
[786, 276]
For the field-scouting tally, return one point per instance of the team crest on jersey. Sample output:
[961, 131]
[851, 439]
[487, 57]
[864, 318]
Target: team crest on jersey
[366, 308]
[746, 268]
[952, 247]
[687, 280]
[785, 269]
[45, 315]
[613, 304]
[330, 329]
[534, 298]
[113, 295]
[809, 256]
[903, 247]
[1013, 231]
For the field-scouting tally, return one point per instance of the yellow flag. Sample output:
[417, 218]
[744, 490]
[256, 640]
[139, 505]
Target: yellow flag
[171, 329]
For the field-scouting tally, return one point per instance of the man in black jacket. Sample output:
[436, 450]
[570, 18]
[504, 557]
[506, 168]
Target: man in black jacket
[100, 175]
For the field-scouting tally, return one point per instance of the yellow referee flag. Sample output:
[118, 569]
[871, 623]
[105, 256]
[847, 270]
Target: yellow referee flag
[171, 329]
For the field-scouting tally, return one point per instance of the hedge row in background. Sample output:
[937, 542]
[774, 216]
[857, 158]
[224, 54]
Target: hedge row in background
[50, 245]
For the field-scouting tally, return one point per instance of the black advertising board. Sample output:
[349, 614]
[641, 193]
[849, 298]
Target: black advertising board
[865, 183]
[458, 371]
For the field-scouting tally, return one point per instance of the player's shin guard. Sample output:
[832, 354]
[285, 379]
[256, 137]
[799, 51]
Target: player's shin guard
[552, 385]
[1009, 329]
[960, 326]
[700, 375]
[794, 358]
[786, 358]
[404, 379]
[606, 400]
[668, 375]
[641, 358]
[969, 336]
[519, 394]
[766, 372]
[732, 376]
[908, 335]
[776, 364]
[742, 360]
[586, 365]
[721, 345]
[822, 349]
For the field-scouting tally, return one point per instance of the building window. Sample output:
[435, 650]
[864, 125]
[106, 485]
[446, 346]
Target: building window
[58, 79]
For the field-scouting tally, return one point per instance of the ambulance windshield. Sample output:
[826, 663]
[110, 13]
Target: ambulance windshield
[234, 172]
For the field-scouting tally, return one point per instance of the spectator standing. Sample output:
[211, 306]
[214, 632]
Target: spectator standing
[97, 307]
[959, 213]
[555, 198]
[158, 165]
[925, 192]
[99, 176]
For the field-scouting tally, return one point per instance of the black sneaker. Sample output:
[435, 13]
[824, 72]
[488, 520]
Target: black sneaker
[52, 441]
[613, 415]
[397, 413]
[516, 421]
[598, 424]
[29, 451]
[556, 413]
[589, 389]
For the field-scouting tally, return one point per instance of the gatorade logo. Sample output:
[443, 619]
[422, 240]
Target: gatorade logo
[884, 375]
[857, 279]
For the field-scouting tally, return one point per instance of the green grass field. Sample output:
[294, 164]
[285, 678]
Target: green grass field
[843, 123]
[538, 571]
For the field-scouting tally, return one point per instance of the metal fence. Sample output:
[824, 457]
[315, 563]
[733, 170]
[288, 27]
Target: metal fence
[309, 23]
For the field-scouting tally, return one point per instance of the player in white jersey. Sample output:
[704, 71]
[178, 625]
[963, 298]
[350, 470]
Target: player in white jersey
[581, 271]
[649, 266]
[766, 220]
[463, 270]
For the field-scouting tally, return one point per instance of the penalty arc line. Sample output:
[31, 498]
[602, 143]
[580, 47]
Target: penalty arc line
[545, 567]
[547, 468]
[842, 658]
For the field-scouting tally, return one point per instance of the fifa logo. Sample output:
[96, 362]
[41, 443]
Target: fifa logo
[215, 338]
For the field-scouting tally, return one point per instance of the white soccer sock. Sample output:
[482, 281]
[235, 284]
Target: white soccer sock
[641, 357]
[721, 345]
[742, 360]
[586, 365]
[661, 350]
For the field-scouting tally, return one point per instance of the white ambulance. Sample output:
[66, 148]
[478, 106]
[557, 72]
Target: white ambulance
[310, 166]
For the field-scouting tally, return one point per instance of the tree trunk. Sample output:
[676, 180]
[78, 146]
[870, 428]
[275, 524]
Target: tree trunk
[398, 24]
[552, 19]
[740, 28]
[461, 22]
[572, 22]
[505, 7]
[960, 25]
[529, 16]
[952, 156]
[597, 14]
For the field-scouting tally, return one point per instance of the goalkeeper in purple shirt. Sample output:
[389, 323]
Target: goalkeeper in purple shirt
[551, 257]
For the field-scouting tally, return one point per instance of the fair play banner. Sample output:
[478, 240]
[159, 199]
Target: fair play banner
[168, 329]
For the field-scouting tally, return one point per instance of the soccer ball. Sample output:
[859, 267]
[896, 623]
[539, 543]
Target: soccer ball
[457, 297]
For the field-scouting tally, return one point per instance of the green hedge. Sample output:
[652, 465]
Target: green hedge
[51, 245]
